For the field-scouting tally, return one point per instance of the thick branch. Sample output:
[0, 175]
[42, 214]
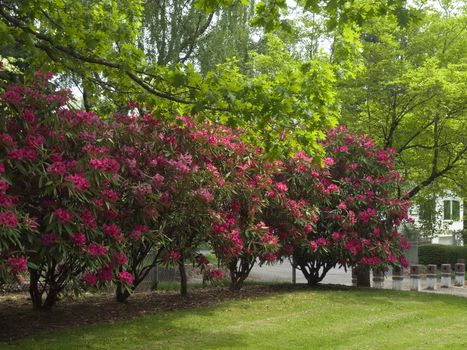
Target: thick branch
[85, 58]
[194, 37]
[434, 175]
[414, 136]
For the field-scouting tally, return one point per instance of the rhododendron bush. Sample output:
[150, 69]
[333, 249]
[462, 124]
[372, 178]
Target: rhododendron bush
[56, 169]
[133, 203]
[356, 193]
[88, 201]
[206, 177]
[239, 236]
[168, 191]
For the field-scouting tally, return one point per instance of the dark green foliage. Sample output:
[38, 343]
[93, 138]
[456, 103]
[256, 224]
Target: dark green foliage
[441, 254]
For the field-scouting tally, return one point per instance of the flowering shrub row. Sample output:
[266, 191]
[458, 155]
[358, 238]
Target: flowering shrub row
[86, 201]
[354, 215]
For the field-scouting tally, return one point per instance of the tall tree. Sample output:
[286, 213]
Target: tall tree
[171, 30]
[94, 43]
[412, 94]
[176, 31]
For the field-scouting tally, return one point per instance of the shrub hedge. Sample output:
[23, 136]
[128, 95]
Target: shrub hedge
[441, 254]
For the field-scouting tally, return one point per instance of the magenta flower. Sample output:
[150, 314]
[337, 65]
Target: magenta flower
[175, 255]
[313, 246]
[216, 274]
[57, 168]
[90, 278]
[157, 180]
[204, 194]
[111, 230]
[125, 277]
[120, 258]
[336, 236]
[8, 219]
[62, 215]
[79, 182]
[110, 195]
[18, 264]
[78, 239]
[138, 231]
[281, 186]
[329, 161]
[96, 249]
[88, 219]
[202, 260]
[106, 273]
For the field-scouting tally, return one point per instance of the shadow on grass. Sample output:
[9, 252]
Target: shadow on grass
[164, 328]
[145, 333]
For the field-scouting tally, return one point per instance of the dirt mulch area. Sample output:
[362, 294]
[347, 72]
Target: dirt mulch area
[18, 320]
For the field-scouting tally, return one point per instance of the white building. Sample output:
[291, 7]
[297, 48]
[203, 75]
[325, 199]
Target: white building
[449, 216]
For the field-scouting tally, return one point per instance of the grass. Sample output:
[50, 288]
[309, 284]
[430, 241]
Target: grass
[303, 319]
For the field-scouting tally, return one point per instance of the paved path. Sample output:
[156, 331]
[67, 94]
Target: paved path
[283, 273]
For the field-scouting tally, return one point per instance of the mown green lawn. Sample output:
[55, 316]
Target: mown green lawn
[316, 319]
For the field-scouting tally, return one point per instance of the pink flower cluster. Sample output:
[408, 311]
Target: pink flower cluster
[367, 214]
[4, 186]
[62, 215]
[8, 219]
[125, 277]
[174, 256]
[138, 232]
[96, 250]
[112, 230]
[110, 195]
[90, 278]
[18, 264]
[120, 258]
[57, 168]
[105, 273]
[216, 274]
[88, 219]
[78, 239]
[204, 194]
[108, 165]
[281, 186]
[79, 182]
[370, 260]
[202, 260]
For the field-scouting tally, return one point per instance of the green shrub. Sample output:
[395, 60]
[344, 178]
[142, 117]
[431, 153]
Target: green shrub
[441, 254]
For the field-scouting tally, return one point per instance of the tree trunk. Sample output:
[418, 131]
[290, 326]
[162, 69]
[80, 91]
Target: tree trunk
[236, 283]
[36, 295]
[121, 294]
[50, 300]
[183, 278]
[237, 276]
[363, 276]
[310, 276]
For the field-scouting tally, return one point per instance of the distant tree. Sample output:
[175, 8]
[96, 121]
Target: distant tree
[411, 95]
[94, 45]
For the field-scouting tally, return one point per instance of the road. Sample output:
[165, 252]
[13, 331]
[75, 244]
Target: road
[283, 273]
